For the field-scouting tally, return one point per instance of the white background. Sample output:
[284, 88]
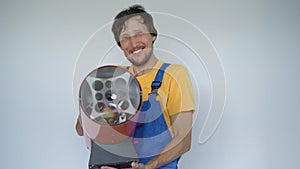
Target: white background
[258, 43]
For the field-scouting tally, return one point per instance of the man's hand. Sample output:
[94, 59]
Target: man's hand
[135, 165]
[106, 167]
[79, 126]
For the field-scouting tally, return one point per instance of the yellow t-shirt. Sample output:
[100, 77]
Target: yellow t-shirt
[175, 93]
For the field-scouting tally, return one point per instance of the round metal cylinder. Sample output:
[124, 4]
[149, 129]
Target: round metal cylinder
[110, 98]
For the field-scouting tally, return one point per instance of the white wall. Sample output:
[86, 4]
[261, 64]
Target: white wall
[258, 43]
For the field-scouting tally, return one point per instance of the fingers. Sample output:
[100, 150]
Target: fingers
[106, 167]
[136, 165]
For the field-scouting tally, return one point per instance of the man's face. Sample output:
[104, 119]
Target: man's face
[136, 41]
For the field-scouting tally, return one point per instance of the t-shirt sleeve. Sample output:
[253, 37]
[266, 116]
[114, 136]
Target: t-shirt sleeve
[181, 94]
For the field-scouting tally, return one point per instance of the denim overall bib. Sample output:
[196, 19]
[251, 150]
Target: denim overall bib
[152, 133]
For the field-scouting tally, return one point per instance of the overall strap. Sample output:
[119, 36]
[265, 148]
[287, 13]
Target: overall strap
[158, 78]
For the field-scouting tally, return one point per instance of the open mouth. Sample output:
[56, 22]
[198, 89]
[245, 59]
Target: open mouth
[137, 50]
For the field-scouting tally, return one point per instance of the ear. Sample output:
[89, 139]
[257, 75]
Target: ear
[153, 39]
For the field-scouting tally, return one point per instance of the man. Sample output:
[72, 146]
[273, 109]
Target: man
[163, 132]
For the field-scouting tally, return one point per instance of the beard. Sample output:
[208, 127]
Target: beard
[144, 60]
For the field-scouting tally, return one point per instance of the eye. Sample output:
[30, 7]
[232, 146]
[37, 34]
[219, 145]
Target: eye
[139, 33]
[124, 37]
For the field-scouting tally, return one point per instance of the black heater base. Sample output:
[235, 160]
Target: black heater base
[119, 155]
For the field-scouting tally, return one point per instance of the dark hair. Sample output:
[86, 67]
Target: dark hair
[123, 16]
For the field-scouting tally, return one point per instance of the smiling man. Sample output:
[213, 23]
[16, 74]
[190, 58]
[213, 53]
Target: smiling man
[163, 132]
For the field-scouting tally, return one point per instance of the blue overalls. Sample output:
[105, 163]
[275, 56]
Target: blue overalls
[152, 133]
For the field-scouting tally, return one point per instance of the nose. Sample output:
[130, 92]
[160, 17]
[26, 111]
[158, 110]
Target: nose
[134, 40]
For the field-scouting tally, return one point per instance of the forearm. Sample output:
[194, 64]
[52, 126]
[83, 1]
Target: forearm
[173, 150]
[180, 143]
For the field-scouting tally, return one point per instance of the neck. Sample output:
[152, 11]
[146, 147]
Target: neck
[143, 69]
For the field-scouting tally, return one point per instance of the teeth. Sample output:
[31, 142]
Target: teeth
[137, 51]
